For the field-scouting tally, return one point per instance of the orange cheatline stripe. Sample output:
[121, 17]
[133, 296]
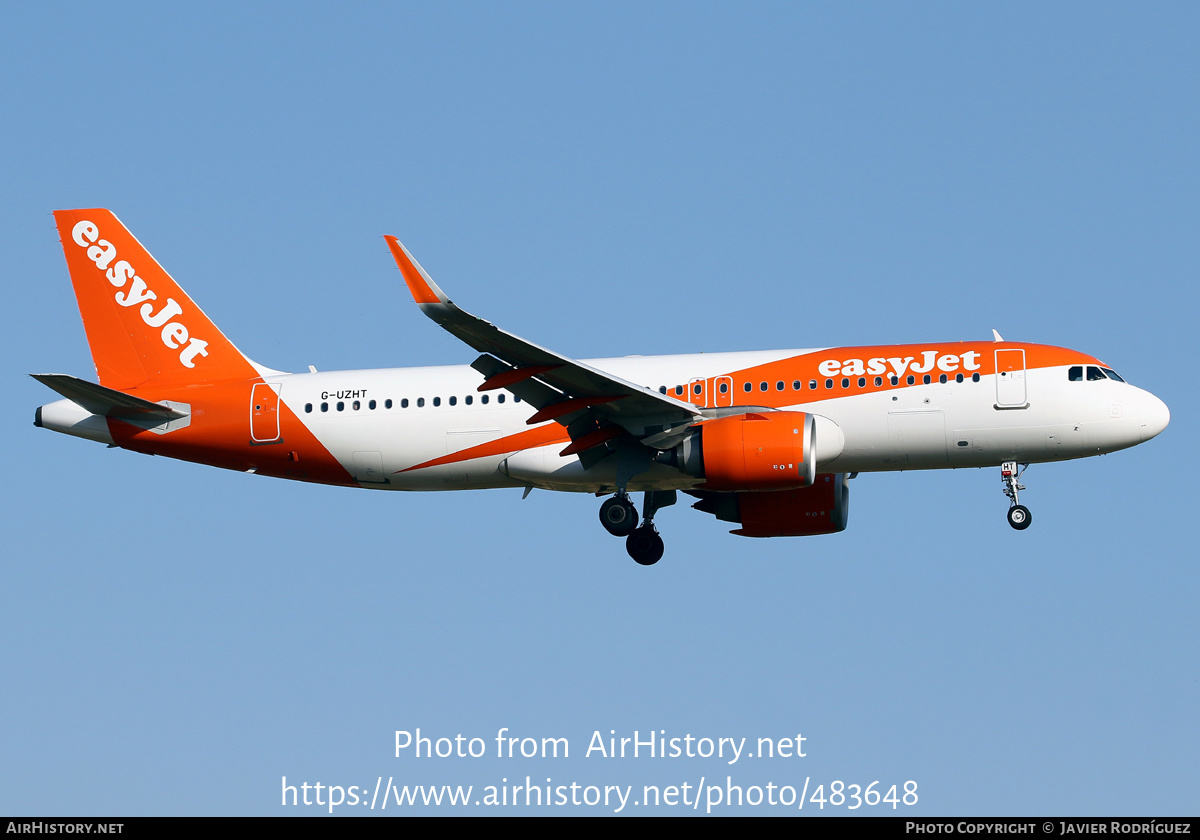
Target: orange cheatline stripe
[558, 409]
[416, 283]
[529, 439]
[512, 377]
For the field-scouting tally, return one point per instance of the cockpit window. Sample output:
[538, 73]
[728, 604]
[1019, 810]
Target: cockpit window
[1094, 373]
[1112, 374]
[1075, 374]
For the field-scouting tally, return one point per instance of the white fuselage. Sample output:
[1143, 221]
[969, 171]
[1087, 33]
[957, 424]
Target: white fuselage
[437, 411]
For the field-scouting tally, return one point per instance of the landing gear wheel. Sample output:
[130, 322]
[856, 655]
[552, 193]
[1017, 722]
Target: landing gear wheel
[645, 546]
[618, 516]
[1019, 517]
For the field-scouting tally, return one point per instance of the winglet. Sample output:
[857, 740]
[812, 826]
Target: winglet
[996, 336]
[420, 284]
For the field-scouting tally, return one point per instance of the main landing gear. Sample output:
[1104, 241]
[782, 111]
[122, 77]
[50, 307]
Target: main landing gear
[1018, 515]
[619, 517]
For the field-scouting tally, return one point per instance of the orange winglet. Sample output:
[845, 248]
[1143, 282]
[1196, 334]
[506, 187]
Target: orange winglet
[558, 409]
[511, 377]
[592, 439]
[422, 289]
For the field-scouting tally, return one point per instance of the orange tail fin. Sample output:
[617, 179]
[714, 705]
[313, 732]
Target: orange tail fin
[141, 327]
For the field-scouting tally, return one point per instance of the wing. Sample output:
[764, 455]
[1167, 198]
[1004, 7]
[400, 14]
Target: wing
[595, 406]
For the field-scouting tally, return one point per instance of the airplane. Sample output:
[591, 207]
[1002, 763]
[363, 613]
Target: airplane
[767, 440]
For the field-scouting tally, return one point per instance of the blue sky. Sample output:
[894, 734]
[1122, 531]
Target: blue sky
[604, 179]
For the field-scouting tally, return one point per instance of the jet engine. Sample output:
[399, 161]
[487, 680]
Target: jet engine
[757, 451]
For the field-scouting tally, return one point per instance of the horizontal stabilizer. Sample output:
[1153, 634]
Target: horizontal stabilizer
[105, 401]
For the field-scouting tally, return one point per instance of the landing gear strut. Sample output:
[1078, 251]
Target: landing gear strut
[619, 517]
[1018, 515]
[644, 545]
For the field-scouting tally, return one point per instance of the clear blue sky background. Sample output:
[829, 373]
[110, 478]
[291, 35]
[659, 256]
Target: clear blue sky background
[605, 179]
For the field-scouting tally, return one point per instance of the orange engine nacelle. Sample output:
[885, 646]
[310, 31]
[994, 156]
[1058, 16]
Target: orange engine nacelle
[769, 451]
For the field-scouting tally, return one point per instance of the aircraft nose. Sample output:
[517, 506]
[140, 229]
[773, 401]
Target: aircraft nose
[1155, 416]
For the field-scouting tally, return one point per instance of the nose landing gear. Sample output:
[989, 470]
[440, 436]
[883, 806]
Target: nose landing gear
[1018, 515]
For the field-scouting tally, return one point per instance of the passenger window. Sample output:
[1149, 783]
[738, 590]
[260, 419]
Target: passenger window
[469, 399]
[679, 390]
[1075, 374]
[341, 406]
[662, 389]
[862, 382]
[779, 385]
[437, 401]
[420, 402]
[942, 379]
[484, 399]
[762, 386]
[747, 387]
[958, 377]
[878, 381]
[845, 383]
[796, 385]
[454, 401]
[895, 380]
[926, 379]
[697, 388]
[371, 405]
[911, 379]
[974, 377]
[308, 408]
[500, 398]
[516, 399]
[828, 383]
[812, 384]
[357, 405]
[724, 388]
[324, 406]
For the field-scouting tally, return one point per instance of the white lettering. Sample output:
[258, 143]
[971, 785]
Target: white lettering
[136, 294]
[84, 233]
[195, 347]
[174, 335]
[927, 365]
[900, 365]
[120, 273]
[170, 310]
[928, 359]
[102, 253]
